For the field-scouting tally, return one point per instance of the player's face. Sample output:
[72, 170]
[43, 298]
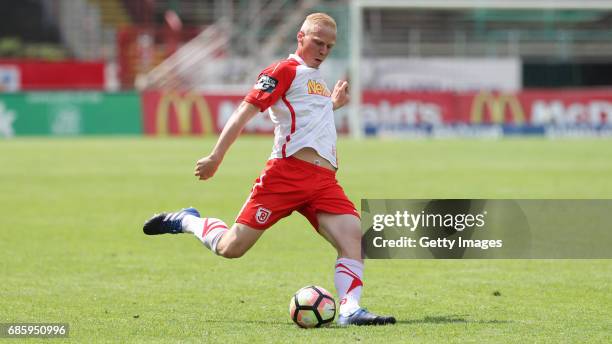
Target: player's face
[314, 47]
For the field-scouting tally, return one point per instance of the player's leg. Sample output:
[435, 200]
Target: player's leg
[336, 219]
[212, 232]
[237, 241]
[227, 242]
[270, 200]
[344, 233]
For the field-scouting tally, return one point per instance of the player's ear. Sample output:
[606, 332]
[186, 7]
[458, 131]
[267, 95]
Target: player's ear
[300, 36]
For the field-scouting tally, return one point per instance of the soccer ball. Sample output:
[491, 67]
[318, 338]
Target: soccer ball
[312, 306]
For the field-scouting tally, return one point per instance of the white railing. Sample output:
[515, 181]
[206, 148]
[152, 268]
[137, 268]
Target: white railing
[189, 66]
[81, 29]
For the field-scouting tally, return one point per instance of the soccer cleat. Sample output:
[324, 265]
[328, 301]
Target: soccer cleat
[168, 222]
[363, 317]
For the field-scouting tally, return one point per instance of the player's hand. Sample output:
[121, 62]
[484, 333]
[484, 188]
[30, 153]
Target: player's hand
[206, 167]
[340, 94]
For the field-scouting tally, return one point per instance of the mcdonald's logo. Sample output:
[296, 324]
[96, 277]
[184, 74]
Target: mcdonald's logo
[495, 106]
[184, 114]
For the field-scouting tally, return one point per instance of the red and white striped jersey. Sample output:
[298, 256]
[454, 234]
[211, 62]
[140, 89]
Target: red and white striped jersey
[300, 108]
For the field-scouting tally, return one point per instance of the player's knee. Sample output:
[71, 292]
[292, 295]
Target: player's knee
[231, 251]
[231, 254]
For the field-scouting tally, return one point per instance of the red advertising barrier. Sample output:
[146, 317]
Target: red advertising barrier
[535, 112]
[527, 108]
[64, 75]
[190, 113]
[538, 107]
[408, 108]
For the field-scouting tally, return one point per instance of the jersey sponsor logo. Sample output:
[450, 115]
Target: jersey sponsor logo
[318, 88]
[262, 215]
[266, 83]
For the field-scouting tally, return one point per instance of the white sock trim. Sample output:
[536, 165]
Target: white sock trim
[351, 263]
[212, 238]
[346, 272]
[192, 224]
[214, 229]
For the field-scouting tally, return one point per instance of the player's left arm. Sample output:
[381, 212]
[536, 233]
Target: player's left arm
[340, 94]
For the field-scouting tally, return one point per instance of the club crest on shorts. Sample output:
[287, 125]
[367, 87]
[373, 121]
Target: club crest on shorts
[262, 215]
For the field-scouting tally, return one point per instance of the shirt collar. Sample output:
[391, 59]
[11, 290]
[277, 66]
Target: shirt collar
[297, 58]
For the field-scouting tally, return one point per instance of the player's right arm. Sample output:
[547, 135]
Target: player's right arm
[271, 85]
[208, 165]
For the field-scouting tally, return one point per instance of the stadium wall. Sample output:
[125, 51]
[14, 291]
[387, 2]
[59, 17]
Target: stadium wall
[578, 112]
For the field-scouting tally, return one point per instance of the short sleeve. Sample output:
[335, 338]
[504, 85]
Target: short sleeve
[272, 83]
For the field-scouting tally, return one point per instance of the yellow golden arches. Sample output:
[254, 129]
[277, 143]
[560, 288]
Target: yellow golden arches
[497, 106]
[183, 105]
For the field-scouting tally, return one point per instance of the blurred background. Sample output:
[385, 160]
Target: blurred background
[417, 68]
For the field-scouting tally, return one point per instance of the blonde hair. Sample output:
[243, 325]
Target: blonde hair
[317, 19]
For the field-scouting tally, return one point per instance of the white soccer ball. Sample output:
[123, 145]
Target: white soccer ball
[312, 306]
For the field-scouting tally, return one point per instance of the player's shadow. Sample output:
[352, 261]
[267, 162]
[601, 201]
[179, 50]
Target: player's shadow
[331, 326]
[259, 322]
[441, 319]
[449, 319]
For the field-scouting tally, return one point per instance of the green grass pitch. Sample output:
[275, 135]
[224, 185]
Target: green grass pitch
[73, 250]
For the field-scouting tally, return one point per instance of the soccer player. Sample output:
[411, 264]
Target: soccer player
[300, 174]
